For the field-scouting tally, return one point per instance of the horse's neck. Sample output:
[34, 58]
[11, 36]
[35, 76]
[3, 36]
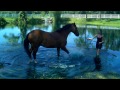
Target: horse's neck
[65, 34]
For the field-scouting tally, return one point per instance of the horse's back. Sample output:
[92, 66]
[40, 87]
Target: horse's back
[35, 35]
[46, 39]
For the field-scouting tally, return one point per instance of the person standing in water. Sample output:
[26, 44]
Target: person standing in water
[99, 42]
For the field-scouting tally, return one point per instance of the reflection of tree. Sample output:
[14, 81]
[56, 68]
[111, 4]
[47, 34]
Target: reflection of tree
[2, 26]
[11, 38]
[55, 26]
[31, 72]
[22, 24]
[43, 26]
[23, 32]
[57, 20]
[82, 40]
[111, 38]
[3, 22]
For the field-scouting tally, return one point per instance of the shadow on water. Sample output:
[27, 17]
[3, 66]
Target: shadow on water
[31, 71]
[1, 65]
[97, 61]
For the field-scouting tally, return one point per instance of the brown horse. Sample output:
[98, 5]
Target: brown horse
[57, 39]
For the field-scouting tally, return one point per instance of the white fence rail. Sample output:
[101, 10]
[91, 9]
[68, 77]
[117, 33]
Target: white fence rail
[117, 16]
[90, 16]
[16, 15]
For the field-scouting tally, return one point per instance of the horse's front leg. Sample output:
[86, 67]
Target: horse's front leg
[31, 50]
[65, 49]
[34, 54]
[58, 52]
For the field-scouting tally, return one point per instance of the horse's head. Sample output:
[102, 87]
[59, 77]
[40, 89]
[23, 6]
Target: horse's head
[74, 29]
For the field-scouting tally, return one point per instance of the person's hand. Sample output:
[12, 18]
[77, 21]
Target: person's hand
[100, 42]
[89, 38]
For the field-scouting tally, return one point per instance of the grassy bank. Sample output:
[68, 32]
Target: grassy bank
[103, 22]
[10, 20]
[112, 22]
[77, 21]
[30, 20]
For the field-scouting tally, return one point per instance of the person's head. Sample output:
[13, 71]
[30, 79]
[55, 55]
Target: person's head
[100, 31]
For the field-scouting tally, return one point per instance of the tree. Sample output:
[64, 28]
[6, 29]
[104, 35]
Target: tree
[57, 19]
[22, 23]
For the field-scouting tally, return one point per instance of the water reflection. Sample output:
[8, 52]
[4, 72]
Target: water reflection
[2, 26]
[76, 45]
[31, 71]
[55, 26]
[23, 32]
[97, 61]
[11, 38]
[18, 34]
[111, 38]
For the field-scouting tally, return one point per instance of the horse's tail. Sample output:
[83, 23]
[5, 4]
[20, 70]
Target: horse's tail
[26, 46]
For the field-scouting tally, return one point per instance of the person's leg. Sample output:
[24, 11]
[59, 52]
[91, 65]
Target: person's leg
[98, 52]
[97, 45]
[98, 49]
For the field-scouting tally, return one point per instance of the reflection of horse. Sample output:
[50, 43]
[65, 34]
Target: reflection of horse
[57, 39]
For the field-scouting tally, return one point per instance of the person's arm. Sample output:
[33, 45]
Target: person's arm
[92, 38]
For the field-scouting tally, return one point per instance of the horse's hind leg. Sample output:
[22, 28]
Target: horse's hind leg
[65, 49]
[58, 52]
[30, 58]
[31, 50]
[34, 53]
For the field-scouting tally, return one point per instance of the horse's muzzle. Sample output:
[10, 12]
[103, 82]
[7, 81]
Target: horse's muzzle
[77, 34]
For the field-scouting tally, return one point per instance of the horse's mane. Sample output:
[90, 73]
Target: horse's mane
[63, 28]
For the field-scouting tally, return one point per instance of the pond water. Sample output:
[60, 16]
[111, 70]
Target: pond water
[79, 64]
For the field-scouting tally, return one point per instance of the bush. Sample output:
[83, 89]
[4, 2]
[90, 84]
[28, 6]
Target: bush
[15, 22]
[2, 21]
[35, 21]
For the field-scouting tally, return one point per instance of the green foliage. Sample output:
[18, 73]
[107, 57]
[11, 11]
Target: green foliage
[105, 22]
[78, 20]
[57, 16]
[22, 23]
[34, 21]
[22, 19]
[56, 20]
[2, 21]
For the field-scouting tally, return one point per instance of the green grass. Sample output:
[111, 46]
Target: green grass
[9, 20]
[114, 23]
[103, 22]
[77, 21]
